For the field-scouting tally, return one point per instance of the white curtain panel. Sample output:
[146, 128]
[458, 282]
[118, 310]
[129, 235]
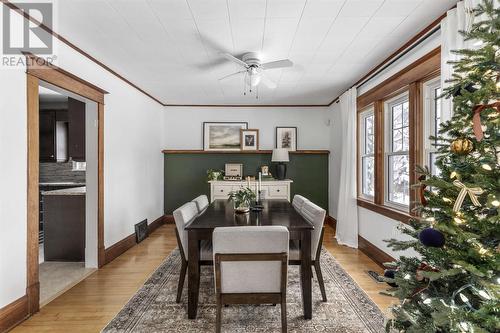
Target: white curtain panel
[457, 19]
[347, 211]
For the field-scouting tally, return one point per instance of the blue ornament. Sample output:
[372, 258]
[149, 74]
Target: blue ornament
[390, 273]
[431, 237]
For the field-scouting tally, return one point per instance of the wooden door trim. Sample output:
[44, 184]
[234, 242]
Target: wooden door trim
[56, 76]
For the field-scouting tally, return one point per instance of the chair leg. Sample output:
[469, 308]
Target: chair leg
[321, 283]
[284, 327]
[182, 277]
[218, 319]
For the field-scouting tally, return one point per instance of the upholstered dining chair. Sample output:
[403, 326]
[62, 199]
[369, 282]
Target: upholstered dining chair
[298, 201]
[182, 216]
[316, 215]
[201, 203]
[250, 267]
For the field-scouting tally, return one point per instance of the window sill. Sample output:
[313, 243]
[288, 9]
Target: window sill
[384, 210]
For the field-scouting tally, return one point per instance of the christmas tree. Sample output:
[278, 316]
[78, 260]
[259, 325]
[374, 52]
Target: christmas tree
[453, 286]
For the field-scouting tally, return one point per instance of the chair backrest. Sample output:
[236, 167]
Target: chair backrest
[201, 202]
[182, 216]
[298, 201]
[252, 276]
[316, 215]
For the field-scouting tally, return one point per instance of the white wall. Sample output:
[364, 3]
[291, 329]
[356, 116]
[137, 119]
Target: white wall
[183, 126]
[13, 169]
[333, 114]
[133, 163]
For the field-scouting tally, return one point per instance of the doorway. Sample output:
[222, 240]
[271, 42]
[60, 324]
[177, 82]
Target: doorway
[43, 76]
[67, 190]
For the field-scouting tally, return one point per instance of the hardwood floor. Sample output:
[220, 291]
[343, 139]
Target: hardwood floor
[91, 304]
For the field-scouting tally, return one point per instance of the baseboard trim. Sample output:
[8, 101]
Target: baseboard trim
[331, 221]
[156, 224]
[169, 219]
[14, 313]
[117, 249]
[376, 254]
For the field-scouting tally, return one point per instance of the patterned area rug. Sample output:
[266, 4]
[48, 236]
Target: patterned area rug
[153, 308]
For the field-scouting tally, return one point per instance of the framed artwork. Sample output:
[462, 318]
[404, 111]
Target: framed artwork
[249, 139]
[264, 170]
[223, 135]
[286, 137]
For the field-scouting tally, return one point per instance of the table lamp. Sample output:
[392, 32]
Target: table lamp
[280, 156]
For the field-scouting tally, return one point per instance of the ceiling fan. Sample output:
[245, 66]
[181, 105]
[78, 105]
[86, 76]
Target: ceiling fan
[254, 70]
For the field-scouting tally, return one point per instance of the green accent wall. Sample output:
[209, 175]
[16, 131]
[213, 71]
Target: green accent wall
[185, 174]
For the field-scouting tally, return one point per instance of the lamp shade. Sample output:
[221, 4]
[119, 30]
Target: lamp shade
[280, 155]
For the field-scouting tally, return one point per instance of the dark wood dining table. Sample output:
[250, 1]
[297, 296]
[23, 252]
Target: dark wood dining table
[221, 214]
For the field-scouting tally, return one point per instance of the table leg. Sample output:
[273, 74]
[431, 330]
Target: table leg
[305, 273]
[193, 273]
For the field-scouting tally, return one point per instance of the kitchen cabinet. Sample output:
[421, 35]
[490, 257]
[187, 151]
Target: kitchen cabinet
[47, 136]
[76, 130]
[64, 224]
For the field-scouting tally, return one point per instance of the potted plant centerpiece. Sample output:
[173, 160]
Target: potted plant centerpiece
[242, 199]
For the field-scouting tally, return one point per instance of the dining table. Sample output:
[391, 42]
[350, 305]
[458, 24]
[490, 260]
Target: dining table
[221, 213]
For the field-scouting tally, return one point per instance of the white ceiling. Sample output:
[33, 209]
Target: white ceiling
[170, 48]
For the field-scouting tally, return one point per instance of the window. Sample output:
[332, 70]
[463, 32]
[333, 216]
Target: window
[432, 118]
[367, 154]
[397, 166]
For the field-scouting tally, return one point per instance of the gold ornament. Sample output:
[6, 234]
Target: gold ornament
[461, 146]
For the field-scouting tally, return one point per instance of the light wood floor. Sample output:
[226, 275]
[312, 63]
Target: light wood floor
[91, 304]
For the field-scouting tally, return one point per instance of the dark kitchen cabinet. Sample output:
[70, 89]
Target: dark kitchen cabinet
[47, 136]
[76, 130]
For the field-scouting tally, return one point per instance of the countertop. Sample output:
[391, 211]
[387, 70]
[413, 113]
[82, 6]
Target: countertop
[67, 191]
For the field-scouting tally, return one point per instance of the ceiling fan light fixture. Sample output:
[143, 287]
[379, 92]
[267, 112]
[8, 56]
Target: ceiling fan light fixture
[253, 79]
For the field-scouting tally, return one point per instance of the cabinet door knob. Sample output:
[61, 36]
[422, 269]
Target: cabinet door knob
[277, 190]
[222, 190]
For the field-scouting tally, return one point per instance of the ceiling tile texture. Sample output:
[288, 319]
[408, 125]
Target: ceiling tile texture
[171, 48]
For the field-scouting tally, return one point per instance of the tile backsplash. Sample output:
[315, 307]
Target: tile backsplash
[60, 172]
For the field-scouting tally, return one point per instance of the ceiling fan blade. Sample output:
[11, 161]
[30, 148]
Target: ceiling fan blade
[277, 64]
[234, 59]
[267, 81]
[230, 75]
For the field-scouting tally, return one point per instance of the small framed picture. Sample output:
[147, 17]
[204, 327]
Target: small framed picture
[222, 135]
[264, 170]
[286, 137]
[249, 139]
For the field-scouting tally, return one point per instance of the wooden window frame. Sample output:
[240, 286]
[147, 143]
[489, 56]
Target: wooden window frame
[409, 79]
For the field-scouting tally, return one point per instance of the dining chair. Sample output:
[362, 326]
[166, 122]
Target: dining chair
[316, 215]
[298, 201]
[201, 203]
[182, 216]
[251, 265]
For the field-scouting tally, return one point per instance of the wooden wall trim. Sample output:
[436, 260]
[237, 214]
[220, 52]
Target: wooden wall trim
[32, 284]
[416, 121]
[100, 186]
[120, 247]
[169, 219]
[117, 249]
[373, 252]
[198, 151]
[425, 66]
[14, 313]
[63, 79]
[331, 221]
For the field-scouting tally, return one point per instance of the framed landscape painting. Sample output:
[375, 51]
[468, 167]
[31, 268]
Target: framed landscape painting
[223, 136]
[286, 137]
